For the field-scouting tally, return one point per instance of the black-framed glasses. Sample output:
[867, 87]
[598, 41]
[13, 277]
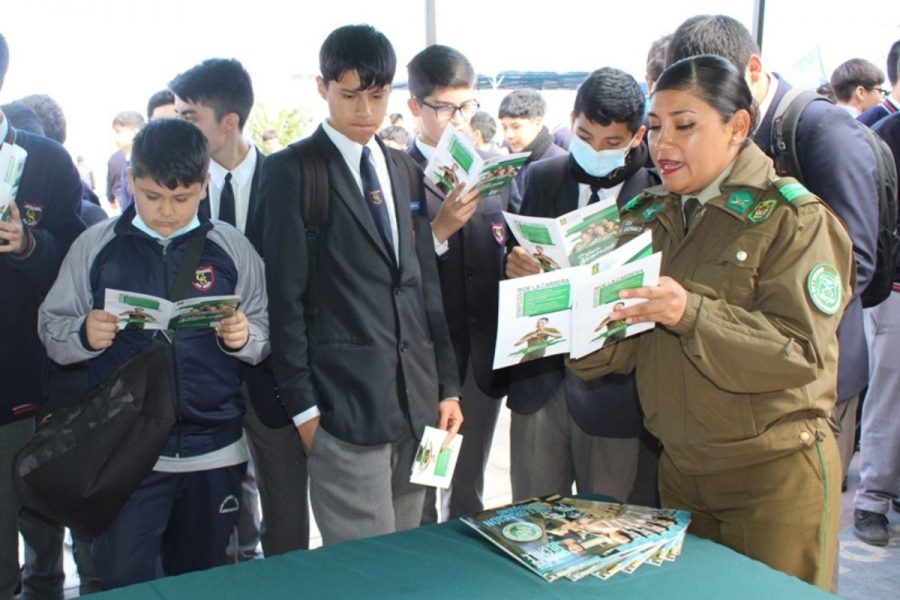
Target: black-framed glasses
[883, 92]
[445, 112]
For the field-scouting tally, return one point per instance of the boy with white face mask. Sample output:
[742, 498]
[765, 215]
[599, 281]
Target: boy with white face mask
[565, 430]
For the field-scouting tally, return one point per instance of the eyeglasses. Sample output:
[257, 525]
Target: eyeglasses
[445, 112]
[884, 93]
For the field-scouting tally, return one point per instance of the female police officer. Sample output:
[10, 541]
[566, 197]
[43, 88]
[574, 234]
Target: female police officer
[739, 375]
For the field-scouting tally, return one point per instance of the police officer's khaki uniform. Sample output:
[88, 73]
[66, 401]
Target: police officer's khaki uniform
[739, 390]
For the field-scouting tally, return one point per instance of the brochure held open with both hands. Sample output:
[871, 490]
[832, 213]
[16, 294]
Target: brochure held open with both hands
[456, 162]
[566, 309]
[142, 311]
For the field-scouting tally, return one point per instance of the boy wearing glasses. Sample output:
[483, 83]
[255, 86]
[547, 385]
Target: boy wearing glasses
[469, 240]
[857, 85]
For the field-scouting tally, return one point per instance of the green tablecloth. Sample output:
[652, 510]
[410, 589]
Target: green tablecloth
[451, 561]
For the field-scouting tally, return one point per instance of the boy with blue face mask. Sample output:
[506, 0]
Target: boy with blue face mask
[184, 511]
[565, 430]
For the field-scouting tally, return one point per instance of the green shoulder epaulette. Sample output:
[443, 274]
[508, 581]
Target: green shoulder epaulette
[794, 192]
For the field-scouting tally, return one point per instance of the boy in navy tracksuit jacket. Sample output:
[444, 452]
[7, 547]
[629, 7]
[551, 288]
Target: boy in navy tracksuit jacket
[182, 514]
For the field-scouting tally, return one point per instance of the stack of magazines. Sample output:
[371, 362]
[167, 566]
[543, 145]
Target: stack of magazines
[562, 537]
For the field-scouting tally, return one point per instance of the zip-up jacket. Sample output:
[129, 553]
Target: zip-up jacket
[206, 375]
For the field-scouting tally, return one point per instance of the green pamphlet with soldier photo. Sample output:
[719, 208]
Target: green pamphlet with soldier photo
[567, 310]
[142, 311]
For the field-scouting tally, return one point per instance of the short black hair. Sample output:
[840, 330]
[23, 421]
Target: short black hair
[172, 152]
[396, 134]
[713, 34]
[656, 56]
[160, 98]
[485, 123]
[22, 117]
[611, 95]
[50, 113]
[714, 80]
[4, 58]
[223, 84]
[852, 73]
[893, 62]
[439, 67]
[525, 103]
[360, 48]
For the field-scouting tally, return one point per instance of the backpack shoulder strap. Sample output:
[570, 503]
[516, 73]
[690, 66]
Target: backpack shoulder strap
[314, 200]
[784, 130]
[188, 266]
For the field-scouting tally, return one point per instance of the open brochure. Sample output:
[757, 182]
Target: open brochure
[12, 163]
[576, 238]
[434, 462]
[566, 311]
[456, 162]
[142, 311]
[558, 536]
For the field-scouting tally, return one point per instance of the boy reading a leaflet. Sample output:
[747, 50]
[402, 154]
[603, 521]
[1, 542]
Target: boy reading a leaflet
[182, 514]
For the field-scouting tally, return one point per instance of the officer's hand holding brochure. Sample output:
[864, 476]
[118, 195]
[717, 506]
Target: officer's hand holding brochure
[564, 537]
[12, 163]
[456, 162]
[435, 459]
[142, 311]
[567, 310]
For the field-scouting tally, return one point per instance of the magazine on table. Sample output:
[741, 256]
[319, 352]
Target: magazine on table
[456, 162]
[577, 238]
[143, 311]
[563, 537]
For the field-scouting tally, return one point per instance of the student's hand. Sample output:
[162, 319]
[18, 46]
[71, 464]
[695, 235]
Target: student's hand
[665, 304]
[450, 418]
[234, 331]
[519, 263]
[455, 212]
[307, 433]
[13, 231]
[100, 327]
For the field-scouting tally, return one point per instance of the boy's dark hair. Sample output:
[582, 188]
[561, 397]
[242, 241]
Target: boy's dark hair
[219, 83]
[396, 134]
[715, 81]
[438, 67]
[713, 34]
[160, 98]
[129, 118]
[50, 114]
[4, 59]
[395, 117]
[172, 152]
[611, 95]
[523, 104]
[485, 123]
[852, 73]
[656, 57]
[893, 63]
[360, 48]
[22, 117]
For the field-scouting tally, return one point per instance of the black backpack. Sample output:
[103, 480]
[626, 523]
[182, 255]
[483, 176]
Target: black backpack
[784, 147]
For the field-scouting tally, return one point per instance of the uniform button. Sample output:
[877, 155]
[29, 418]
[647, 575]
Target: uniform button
[804, 436]
[742, 255]
[396, 291]
[472, 320]
[403, 346]
[469, 273]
